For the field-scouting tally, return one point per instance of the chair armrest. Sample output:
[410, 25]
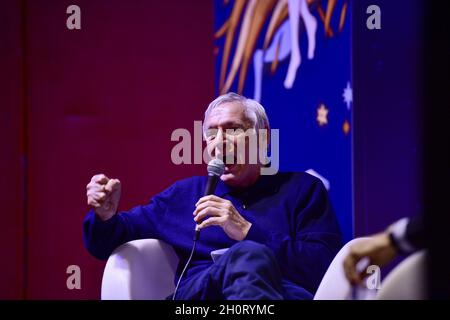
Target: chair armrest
[407, 281]
[140, 269]
[334, 284]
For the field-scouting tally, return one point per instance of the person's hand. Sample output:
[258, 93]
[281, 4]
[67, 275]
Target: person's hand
[214, 211]
[378, 249]
[103, 194]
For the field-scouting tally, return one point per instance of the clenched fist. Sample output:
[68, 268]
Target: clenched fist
[103, 194]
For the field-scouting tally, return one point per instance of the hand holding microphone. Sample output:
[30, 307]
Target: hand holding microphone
[103, 194]
[212, 210]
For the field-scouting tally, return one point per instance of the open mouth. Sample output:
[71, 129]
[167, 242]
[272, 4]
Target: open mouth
[229, 167]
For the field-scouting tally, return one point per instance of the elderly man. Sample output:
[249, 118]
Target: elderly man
[280, 229]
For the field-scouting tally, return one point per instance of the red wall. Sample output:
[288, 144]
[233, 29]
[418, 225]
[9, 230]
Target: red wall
[103, 99]
[11, 152]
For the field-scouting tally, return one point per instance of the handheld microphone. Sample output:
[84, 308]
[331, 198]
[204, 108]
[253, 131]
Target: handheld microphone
[216, 168]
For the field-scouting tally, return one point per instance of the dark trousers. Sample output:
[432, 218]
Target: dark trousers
[247, 271]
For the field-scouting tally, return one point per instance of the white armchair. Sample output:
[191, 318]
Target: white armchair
[140, 270]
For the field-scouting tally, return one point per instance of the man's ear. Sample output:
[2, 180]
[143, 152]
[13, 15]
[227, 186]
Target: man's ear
[264, 141]
[268, 137]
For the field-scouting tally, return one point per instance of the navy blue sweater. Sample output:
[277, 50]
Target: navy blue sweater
[290, 213]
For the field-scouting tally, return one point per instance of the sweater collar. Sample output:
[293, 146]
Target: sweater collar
[264, 185]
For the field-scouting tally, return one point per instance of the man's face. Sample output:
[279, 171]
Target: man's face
[226, 138]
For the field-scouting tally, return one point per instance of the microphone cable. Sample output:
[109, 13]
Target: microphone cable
[196, 236]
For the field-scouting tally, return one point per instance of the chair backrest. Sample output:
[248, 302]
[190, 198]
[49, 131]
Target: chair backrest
[334, 284]
[407, 281]
[140, 269]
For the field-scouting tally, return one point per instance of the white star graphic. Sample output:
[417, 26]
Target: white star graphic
[348, 95]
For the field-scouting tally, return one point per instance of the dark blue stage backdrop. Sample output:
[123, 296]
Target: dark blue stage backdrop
[295, 58]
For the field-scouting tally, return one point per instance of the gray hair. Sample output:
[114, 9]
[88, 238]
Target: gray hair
[253, 109]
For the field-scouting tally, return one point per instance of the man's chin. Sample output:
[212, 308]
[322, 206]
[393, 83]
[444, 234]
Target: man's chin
[229, 178]
[238, 176]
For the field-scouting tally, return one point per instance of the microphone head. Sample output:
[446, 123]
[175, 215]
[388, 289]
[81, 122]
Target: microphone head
[216, 167]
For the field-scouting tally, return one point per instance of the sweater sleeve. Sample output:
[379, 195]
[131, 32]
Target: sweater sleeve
[305, 254]
[101, 238]
[415, 232]
[408, 234]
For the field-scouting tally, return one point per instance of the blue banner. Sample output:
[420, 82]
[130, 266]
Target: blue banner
[294, 57]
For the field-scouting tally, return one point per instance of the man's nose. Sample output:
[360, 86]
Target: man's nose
[219, 145]
[218, 152]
